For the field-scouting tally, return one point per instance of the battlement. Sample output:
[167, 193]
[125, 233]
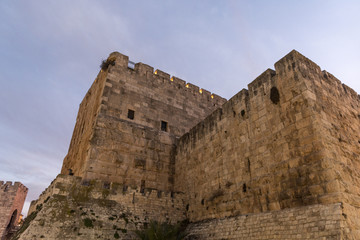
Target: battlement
[8, 186]
[162, 77]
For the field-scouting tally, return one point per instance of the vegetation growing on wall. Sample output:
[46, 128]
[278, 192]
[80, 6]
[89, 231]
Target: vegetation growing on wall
[162, 231]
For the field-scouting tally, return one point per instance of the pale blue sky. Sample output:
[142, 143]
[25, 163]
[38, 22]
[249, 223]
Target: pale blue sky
[50, 52]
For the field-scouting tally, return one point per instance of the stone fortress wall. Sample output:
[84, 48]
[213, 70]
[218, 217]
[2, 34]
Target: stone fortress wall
[256, 155]
[128, 124]
[12, 198]
[277, 161]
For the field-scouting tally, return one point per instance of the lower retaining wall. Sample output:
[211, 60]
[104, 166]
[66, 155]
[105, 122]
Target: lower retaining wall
[309, 222]
[71, 208]
[146, 204]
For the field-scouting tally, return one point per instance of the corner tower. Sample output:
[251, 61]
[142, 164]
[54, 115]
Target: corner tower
[129, 122]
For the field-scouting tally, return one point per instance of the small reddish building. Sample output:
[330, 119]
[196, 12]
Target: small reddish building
[12, 198]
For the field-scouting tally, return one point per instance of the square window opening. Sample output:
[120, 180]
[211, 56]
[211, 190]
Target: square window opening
[164, 126]
[131, 114]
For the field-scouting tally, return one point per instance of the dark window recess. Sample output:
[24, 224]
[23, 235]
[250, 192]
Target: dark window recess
[244, 187]
[242, 113]
[274, 95]
[164, 126]
[142, 188]
[140, 163]
[131, 114]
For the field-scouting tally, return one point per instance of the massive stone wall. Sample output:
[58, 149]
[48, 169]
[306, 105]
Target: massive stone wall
[141, 115]
[339, 125]
[12, 198]
[266, 149]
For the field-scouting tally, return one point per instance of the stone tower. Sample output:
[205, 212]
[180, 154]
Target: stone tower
[129, 122]
[12, 198]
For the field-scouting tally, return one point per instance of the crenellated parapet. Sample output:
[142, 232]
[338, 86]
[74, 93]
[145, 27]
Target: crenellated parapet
[162, 77]
[8, 186]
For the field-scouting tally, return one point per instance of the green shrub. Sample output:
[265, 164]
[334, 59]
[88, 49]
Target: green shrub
[88, 223]
[163, 231]
[106, 63]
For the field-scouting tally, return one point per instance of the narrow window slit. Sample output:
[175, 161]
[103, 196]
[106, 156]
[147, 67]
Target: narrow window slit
[142, 188]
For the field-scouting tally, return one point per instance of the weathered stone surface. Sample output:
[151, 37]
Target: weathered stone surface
[72, 209]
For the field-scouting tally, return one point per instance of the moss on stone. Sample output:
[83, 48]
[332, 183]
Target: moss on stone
[88, 223]
[105, 193]
[81, 194]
